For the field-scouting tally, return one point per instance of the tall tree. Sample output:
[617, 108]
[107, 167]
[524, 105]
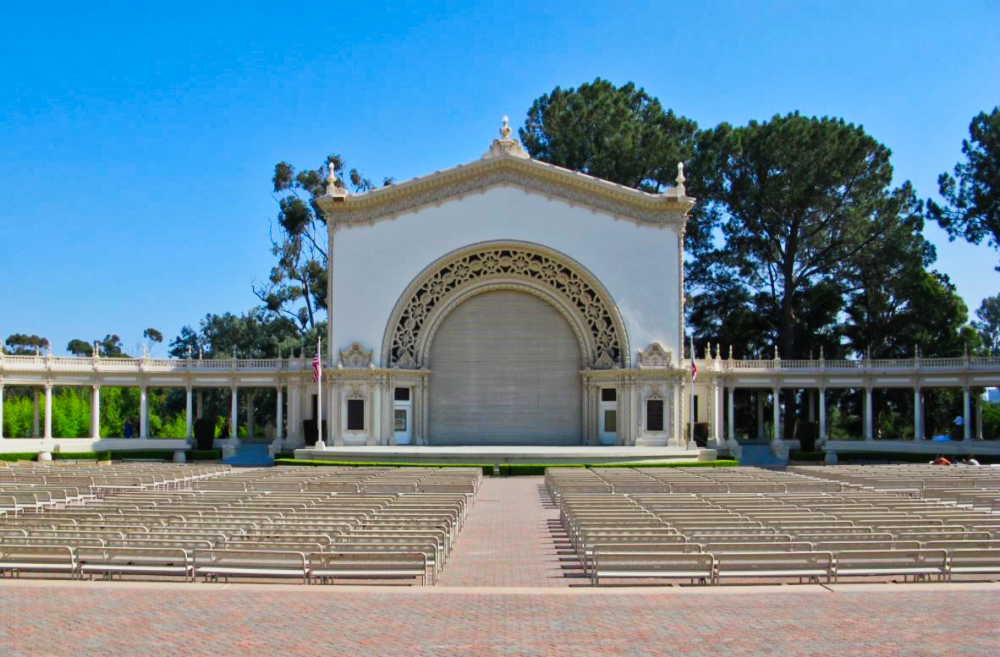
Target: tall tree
[296, 286]
[80, 348]
[797, 198]
[254, 334]
[153, 337]
[20, 344]
[988, 325]
[972, 195]
[621, 134]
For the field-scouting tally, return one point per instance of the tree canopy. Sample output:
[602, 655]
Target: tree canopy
[972, 194]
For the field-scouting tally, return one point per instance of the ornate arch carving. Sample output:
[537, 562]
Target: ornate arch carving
[576, 293]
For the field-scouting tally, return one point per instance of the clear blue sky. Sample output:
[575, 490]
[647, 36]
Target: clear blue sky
[137, 142]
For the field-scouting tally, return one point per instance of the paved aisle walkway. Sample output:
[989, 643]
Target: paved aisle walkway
[508, 540]
[118, 619]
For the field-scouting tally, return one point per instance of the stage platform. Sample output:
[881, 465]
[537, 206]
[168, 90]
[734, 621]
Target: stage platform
[504, 454]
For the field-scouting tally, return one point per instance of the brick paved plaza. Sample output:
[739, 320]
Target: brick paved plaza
[508, 590]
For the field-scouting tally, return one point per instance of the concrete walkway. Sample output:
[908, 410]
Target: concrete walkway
[508, 539]
[123, 618]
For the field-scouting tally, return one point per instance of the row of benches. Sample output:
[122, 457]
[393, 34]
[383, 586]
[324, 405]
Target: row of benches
[613, 562]
[211, 564]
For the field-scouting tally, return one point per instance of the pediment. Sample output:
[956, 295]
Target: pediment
[505, 170]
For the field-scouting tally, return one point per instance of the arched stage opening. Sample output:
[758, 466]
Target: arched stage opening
[505, 370]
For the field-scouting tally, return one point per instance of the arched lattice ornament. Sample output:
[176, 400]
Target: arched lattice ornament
[506, 263]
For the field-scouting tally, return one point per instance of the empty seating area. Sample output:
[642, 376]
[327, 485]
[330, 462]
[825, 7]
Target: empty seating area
[745, 524]
[210, 523]
[967, 486]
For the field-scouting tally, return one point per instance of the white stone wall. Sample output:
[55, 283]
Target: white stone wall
[374, 263]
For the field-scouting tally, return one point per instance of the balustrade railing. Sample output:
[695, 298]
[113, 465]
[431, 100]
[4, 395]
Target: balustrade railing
[70, 364]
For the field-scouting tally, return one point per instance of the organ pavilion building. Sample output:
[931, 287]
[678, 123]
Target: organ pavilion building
[506, 302]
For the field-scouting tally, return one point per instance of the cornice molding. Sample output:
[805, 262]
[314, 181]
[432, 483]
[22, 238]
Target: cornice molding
[667, 209]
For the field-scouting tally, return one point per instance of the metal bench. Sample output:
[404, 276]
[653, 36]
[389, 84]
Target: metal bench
[974, 561]
[745, 565]
[109, 561]
[37, 558]
[694, 566]
[213, 564]
[919, 564]
[326, 567]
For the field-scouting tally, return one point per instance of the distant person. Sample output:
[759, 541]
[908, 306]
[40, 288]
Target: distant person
[127, 431]
[972, 460]
[941, 460]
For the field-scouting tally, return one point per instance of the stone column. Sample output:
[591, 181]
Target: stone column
[1, 411]
[918, 415]
[251, 430]
[822, 414]
[234, 415]
[777, 415]
[95, 411]
[143, 412]
[732, 413]
[35, 430]
[48, 411]
[979, 416]
[334, 436]
[279, 414]
[966, 415]
[867, 423]
[188, 422]
[760, 414]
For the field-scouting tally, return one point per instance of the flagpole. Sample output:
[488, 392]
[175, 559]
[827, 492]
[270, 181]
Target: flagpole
[691, 394]
[320, 442]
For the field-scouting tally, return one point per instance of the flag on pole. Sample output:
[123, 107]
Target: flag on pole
[694, 366]
[317, 368]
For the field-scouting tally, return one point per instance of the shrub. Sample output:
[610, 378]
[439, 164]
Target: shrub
[13, 457]
[204, 433]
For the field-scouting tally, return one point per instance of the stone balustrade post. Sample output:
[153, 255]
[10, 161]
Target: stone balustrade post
[95, 411]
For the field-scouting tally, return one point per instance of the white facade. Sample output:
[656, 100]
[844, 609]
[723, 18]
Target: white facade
[373, 263]
[606, 257]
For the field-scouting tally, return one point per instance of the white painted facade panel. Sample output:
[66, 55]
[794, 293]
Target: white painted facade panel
[638, 264]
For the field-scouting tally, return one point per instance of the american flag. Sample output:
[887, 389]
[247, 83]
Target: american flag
[317, 368]
[694, 366]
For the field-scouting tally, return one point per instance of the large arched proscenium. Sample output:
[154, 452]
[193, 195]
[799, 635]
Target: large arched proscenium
[532, 268]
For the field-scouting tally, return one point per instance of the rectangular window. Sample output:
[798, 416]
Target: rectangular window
[609, 394]
[654, 415]
[610, 421]
[402, 394]
[399, 420]
[355, 414]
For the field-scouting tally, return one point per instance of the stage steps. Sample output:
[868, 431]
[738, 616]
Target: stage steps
[761, 456]
[250, 455]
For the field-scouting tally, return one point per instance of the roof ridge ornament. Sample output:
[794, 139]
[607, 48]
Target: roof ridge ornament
[679, 189]
[505, 145]
[334, 187]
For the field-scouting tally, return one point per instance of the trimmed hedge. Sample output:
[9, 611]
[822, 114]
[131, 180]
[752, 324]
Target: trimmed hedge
[487, 469]
[510, 469]
[719, 463]
[118, 455]
[13, 457]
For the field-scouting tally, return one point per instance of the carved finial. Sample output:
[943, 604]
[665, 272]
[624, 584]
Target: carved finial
[730, 352]
[776, 356]
[821, 353]
[145, 351]
[334, 187]
[97, 350]
[680, 175]
[199, 352]
[505, 129]
[505, 145]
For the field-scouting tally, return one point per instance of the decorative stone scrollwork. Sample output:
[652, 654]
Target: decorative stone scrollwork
[545, 270]
[655, 356]
[356, 356]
